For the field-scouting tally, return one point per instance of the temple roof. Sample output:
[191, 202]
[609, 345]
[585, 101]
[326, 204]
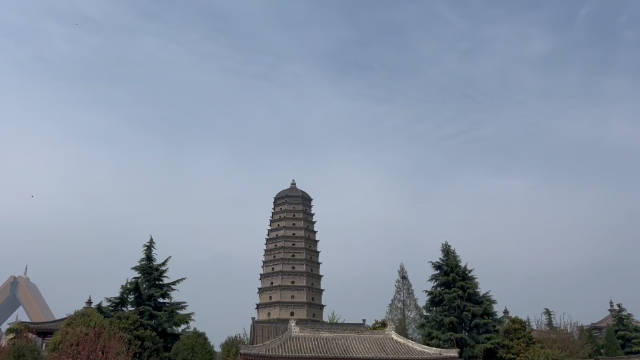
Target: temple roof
[332, 341]
[53, 325]
[607, 320]
[292, 191]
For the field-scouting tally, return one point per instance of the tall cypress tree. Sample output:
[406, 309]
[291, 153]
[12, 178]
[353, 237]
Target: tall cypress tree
[149, 297]
[457, 314]
[403, 310]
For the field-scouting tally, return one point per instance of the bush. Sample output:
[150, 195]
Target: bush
[230, 348]
[193, 345]
[20, 346]
[86, 335]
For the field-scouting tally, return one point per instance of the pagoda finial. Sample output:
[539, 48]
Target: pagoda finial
[26, 267]
[88, 303]
[505, 312]
[293, 183]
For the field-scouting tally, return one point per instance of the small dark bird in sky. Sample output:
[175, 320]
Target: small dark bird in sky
[33, 196]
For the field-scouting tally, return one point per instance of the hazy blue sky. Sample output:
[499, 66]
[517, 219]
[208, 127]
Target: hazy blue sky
[510, 129]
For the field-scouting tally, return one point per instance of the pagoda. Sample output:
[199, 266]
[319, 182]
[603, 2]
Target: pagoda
[290, 323]
[290, 282]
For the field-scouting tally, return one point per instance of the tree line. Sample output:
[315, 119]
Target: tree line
[143, 322]
[458, 315]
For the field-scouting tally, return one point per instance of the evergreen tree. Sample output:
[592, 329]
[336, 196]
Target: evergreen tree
[515, 339]
[549, 318]
[590, 343]
[457, 314]
[627, 330]
[145, 306]
[193, 345]
[403, 310]
[611, 346]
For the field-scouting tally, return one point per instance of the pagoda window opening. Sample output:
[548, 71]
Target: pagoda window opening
[291, 313]
[272, 283]
[269, 297]
[273, 269]
[313, 315]
[293, 224]
[293, 268]
[294, 234]
[293, 255]
[293, 297]
[312, 298]
[293, 282]
[269, 314]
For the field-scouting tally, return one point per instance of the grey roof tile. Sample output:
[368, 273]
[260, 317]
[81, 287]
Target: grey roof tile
[325, 340]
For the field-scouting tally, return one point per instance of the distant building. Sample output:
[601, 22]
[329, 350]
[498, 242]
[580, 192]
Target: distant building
[599, 328]
[289, 322]
[42, 331]
[20, 291]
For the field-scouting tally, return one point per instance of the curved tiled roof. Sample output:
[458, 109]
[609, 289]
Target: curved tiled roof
[329, 341]
[292, 191]
[52, 325]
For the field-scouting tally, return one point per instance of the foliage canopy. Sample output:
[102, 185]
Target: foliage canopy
[456, 313]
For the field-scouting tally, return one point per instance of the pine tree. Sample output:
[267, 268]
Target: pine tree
[403, 310]
[627, 330]
[590, 343]
[611, 346]
[148, 296]
[457, 314]
[549, 318]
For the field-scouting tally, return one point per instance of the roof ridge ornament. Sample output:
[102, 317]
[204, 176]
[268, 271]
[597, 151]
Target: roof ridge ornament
[293, 183]
[293, 328]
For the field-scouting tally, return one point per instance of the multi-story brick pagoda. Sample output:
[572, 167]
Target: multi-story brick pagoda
[290, 283]
[290, 309]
